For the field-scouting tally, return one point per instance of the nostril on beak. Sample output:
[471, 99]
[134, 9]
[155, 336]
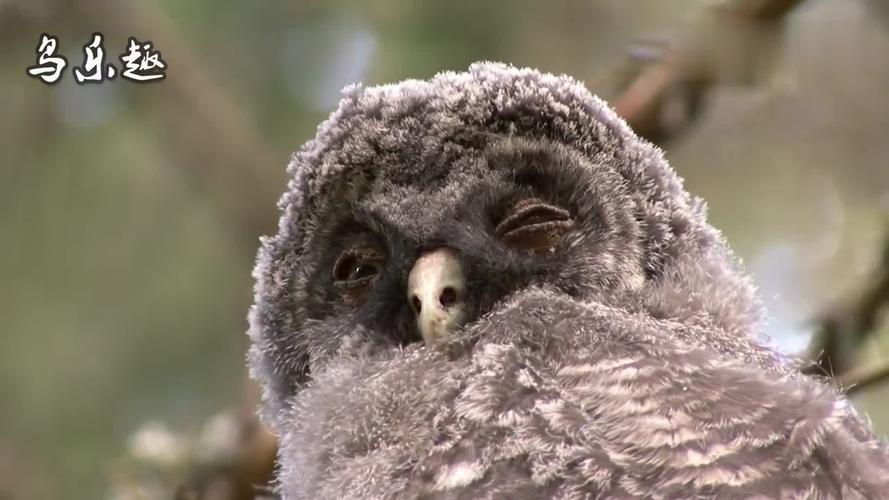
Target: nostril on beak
[435, 289]
[447, 298]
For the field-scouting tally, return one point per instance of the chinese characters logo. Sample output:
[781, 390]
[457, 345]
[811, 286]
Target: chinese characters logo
[141, 62]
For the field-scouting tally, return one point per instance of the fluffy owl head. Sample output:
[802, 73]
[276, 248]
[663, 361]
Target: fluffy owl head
[524, 179]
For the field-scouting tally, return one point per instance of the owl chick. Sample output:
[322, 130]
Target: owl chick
[485, 285]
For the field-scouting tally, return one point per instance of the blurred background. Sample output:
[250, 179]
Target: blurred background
[129, 214]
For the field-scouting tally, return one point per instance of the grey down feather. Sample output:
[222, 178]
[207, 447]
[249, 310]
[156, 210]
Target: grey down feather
[668, 391]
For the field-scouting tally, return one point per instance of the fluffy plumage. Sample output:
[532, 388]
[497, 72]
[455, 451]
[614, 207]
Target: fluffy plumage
[628, 363]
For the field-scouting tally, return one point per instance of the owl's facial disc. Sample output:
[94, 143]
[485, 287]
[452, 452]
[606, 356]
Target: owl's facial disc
[436, 291]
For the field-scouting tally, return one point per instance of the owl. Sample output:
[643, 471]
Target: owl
[485, 285]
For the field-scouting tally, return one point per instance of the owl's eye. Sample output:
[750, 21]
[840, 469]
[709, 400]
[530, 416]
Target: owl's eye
[357, 267]
[533, 225]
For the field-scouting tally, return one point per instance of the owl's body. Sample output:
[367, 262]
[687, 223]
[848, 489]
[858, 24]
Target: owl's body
[608, 343]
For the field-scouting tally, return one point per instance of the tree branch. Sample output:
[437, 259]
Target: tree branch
[858, 380]
[209, 131]
[845, 326]
[667, 95]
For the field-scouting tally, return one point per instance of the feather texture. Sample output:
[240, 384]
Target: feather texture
[548, 398]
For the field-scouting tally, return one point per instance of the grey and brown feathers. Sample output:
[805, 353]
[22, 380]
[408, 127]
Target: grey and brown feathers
[629, 364]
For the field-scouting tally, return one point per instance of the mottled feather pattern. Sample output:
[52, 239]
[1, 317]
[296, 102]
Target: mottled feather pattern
[639, 368]
[616, 408]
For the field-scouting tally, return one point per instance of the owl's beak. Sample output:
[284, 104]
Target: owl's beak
[436, 292]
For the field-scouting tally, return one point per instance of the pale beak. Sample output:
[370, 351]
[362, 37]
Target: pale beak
[436, 292]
